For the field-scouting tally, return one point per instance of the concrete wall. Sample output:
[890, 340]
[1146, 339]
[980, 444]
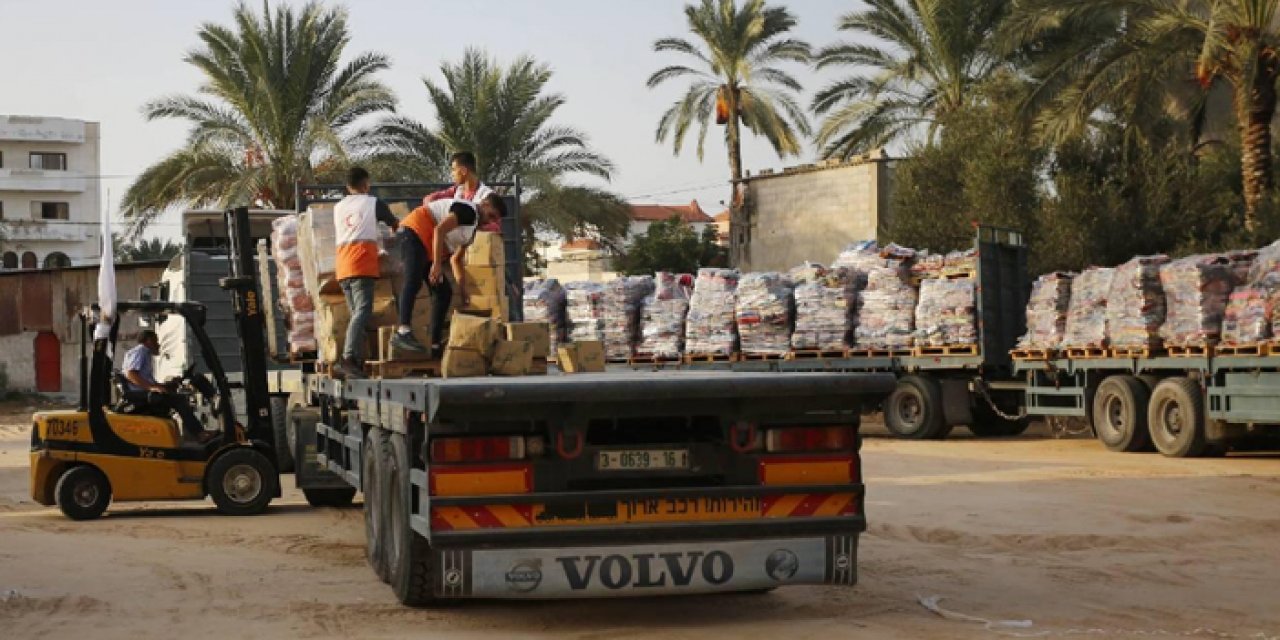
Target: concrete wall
[812, 212]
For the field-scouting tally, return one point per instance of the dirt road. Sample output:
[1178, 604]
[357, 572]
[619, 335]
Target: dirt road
[1058, 533]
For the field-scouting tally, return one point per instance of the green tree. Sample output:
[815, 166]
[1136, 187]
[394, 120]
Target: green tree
[503, 114]
[670, 245]
[277, 103]
[735, 77]
[1161, 43]
[140, 250]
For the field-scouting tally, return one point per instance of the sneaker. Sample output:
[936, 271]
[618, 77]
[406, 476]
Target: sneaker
[407, 342]
[348, 370]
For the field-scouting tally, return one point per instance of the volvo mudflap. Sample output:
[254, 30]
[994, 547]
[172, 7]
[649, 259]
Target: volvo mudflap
[603, 485]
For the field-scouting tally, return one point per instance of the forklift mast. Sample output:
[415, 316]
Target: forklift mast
[251, 326]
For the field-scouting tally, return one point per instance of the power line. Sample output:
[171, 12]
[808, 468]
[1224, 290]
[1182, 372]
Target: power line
[675, 191]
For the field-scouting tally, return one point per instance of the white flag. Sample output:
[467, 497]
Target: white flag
[106, 281]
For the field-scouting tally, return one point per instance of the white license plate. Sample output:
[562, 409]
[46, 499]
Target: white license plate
[642, 460]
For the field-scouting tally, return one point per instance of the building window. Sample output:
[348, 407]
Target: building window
[49, 161]
[29, 260]
[56, 260]
[1, 211]
[51, 210]
[10, 260]
[1, 159]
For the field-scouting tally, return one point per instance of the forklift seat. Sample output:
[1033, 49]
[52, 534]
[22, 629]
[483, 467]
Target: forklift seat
[128, 403]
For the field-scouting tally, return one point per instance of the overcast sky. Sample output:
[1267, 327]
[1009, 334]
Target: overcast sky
[101, 60]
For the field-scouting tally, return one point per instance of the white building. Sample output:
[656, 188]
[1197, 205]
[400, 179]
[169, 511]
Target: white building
[643, 215]
[49, 192]
[585, 259]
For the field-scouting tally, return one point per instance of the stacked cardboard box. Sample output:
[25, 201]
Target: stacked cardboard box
[544, 301]
[480, 345]
[583, 356]
[484, 280]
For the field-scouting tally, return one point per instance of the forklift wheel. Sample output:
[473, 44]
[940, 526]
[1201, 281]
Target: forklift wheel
[242, 482]
[83, 493]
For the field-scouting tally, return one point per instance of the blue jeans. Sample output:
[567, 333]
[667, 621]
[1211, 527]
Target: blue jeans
[359, 294]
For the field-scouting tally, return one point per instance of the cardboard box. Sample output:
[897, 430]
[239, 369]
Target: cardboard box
[479, 280]
[463, 363]
[498, 306]
[537, 334]
[511, 358]
[472, 332]
[584, 356]
[487, 249]
[539, 367]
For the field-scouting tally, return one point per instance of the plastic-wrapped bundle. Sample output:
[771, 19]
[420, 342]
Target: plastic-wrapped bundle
[1196, 291]
[663, 315]
[544, 301]
[946, 314]
[966, 260]
[1246, 319]
[1087, 312]
[584, 307]
[1136, 304]
[860, 258]
[295, 301]
[711, 328]
[1047, 311]
[1242, 263]
[826, 305]
[1266, 262]
[886, 308]
[763, 313]
[622, 300]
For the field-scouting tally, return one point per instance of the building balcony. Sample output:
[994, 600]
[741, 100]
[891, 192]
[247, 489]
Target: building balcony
[48, 230]
[44, 130]
[43, 181]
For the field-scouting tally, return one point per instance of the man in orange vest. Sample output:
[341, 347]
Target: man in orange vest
[355, 221]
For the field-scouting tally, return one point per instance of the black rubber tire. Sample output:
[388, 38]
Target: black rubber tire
[340, 497]
[373, 484]
[1120, 414]
[914, 409]
[280, 429]
[83, 492]
[408, 554]
[1176, 418]
[245, 465]
[989, 424]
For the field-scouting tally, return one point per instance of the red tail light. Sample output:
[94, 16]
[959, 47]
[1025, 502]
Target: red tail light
[808, 439]
[477, 449]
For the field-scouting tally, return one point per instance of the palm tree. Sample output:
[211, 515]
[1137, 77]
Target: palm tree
[277, 102]
[502, 115]
[1167, 42]
[735, 77]
[935, 54]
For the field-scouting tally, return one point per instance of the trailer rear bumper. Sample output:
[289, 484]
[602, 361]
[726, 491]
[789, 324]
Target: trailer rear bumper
[677, 567]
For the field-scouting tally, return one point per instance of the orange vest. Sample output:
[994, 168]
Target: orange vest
[355, 223]
[423, 225]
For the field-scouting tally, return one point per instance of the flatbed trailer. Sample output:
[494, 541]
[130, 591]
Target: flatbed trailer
[610, 484]
[1180, 406]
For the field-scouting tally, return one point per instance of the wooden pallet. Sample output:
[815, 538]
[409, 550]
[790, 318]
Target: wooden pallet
[1032, 354]
[816, 354]
[1192, 351]
[956, 274]
[946, 350]
[1087, 353]
[393, 369]
[649, 358]
[1256, 349]
[1149, 351]
[878, 353]
[761, 356]
[690, 358]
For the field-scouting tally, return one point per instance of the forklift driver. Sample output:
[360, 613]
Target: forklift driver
[143, 390]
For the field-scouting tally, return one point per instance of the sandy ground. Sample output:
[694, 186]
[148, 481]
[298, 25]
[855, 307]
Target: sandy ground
[1059, 533]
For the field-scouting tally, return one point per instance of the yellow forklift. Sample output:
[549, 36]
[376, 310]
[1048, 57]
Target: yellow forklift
[84, 459]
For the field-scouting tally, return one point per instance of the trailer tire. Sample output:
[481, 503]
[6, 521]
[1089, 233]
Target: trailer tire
[987, 423]
[1176, 418]
[280, 429]
[1120, 414]
[408, 554]
[375, 516]
[914, 409]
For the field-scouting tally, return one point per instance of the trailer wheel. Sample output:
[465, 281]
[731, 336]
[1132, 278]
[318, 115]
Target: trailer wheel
[1176, 418]
[1120, 414]
[242, 482]
[914, 409]
[987, 423]
[375, 517]
[83, 492]
[280, 428]
[408, 554]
